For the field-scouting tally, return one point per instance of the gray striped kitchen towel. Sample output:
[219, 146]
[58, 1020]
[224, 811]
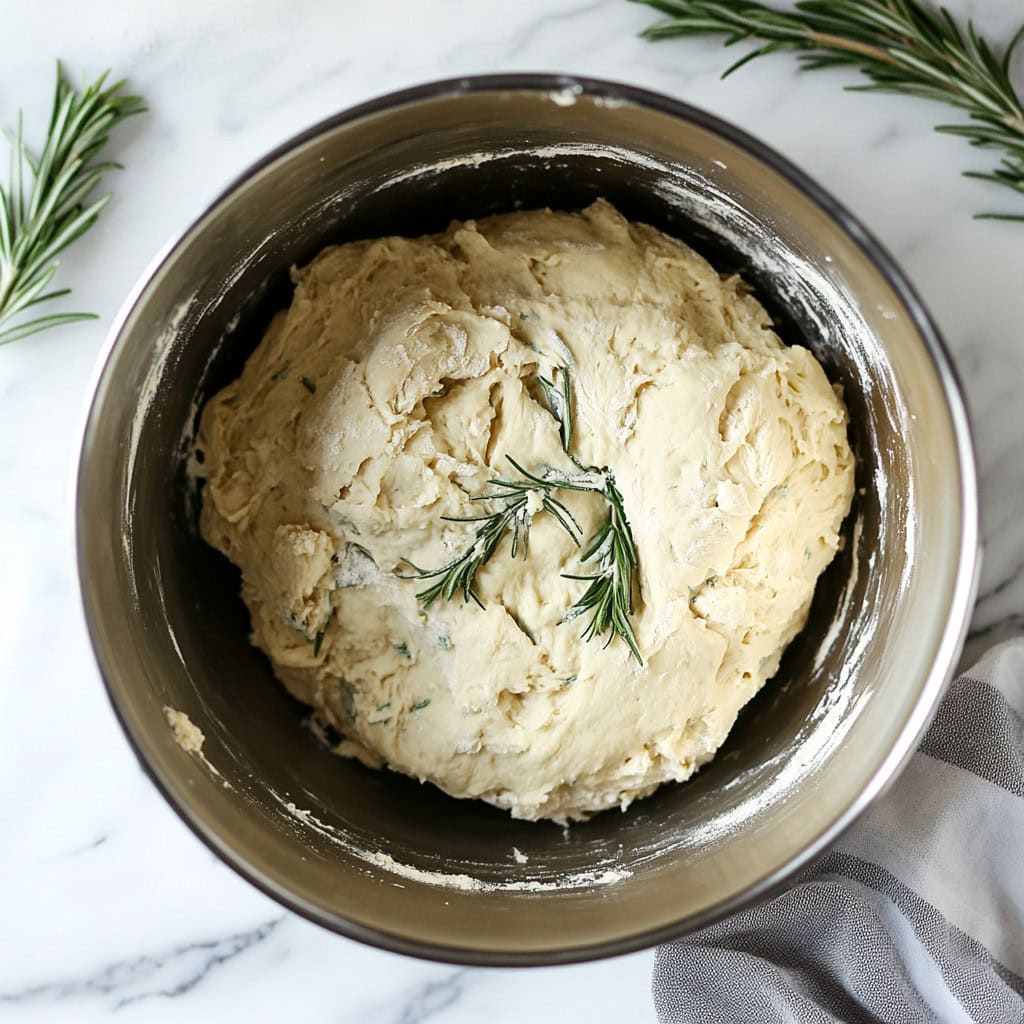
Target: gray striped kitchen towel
[916, 915]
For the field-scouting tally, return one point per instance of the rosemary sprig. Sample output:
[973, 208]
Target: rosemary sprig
[902, 46]
[515, 513]
[45, 205]
[610, 594]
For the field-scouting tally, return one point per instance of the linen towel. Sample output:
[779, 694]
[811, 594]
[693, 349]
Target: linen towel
[916, 915]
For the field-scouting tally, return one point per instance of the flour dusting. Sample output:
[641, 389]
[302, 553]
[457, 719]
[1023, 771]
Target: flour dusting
[460, 881]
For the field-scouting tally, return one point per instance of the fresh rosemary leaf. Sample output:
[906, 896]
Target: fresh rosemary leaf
[559, 401]
[44, 206]
[901, 46]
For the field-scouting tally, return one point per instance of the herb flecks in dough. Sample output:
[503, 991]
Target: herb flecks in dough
[347, 699]
[321, 633]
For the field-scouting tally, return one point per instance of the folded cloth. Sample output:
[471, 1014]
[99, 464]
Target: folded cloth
[915, 915]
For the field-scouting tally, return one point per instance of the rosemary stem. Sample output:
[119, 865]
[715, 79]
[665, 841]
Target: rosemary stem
[832, 42]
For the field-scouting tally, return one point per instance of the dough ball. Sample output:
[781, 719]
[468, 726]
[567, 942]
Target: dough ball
[392, 390]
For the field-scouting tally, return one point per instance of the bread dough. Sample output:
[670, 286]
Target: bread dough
[390, 392]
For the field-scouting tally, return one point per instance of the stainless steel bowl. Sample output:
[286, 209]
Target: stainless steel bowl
[376, 856]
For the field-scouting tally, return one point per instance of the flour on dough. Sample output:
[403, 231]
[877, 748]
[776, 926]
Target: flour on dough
[391, 390]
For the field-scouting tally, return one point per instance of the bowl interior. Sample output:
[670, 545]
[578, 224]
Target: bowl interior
[376, 855]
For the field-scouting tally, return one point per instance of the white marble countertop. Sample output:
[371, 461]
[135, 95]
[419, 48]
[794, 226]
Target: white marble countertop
[109, 903]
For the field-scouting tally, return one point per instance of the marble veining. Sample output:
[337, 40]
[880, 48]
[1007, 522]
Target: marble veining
[162, 975]
[111, 907]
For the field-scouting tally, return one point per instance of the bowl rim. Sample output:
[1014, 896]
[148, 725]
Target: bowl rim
[963, 593]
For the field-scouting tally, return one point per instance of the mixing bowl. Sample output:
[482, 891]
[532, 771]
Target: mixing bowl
[377, 856]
